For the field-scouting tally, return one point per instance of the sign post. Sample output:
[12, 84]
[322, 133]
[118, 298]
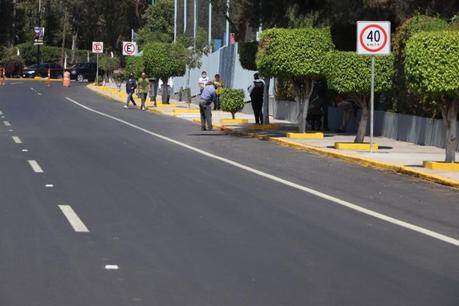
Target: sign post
[97, 48]
[373, 39]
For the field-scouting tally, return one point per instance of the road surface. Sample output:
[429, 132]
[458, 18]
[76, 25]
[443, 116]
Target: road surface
[105, 206]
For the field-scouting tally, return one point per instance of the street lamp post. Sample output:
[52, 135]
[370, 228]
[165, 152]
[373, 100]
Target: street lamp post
[227, 23]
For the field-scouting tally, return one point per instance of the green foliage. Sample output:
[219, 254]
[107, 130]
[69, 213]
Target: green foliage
[232, 100]
[134, 65]
[248, 55]
[164, 60]
[432, 64]
[13, 65]
[418, 23]
[350, 73]
[293, 53]
[108, 63]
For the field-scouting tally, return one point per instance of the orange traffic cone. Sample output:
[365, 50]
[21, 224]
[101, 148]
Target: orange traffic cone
[66, 79]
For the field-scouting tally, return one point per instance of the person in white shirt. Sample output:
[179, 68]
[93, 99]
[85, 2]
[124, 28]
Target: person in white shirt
[203, 80]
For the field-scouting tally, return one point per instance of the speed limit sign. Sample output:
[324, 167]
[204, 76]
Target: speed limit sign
[373, 37]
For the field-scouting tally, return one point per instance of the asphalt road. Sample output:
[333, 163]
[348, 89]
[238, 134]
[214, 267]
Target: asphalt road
[203, 218]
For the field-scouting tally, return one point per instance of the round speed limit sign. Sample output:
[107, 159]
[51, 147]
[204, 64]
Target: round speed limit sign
[373, 37]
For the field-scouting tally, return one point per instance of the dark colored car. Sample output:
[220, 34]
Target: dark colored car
[84, 71]
[41, 70]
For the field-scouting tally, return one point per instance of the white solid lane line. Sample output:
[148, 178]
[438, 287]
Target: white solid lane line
[16, 139]
[73, 219]
[35, 166]
[6, 123]
[316, 193]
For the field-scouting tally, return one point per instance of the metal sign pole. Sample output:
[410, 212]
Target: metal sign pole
[372, 102]
[97, 69]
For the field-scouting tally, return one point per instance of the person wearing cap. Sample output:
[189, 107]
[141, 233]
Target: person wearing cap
[205, 105]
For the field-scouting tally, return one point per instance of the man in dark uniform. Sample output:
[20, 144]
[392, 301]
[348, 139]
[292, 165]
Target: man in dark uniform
[256, 92]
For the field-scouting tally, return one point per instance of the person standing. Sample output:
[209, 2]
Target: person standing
[219, 85]
[205, 105]
[131, 86]
[256, 92]
[142, 91]
[203, 80]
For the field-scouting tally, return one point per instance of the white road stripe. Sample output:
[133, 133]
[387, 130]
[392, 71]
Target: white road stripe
[33, 89]
[25, 150]
[316, 193]
[1, 113]
[16, 139]
[111, 267]
[6, 123]
[74, 220]
[35, 166]
[49, 185]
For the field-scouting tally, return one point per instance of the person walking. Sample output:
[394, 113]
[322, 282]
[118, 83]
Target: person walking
[142, 90]
[219, 85]
[205, 106]
[203, 80]
[256, 92]
[131, 86]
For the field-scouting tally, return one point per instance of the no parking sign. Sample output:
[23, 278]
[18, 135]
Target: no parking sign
[129, 48]
[373, 37]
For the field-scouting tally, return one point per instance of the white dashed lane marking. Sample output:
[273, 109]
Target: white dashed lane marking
[75, 221]
[6, 123]
[35, 166]
[16, 139]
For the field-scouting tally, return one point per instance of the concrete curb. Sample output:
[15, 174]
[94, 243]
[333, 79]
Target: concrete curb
[365, 162]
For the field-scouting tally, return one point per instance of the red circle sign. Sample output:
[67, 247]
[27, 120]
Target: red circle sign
[129, 48]
[379, 47]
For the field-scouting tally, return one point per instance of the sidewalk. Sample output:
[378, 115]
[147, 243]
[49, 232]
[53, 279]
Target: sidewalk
[393, 155]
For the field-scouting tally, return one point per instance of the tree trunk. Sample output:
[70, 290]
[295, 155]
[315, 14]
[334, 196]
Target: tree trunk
[451, 130]
[362, 129]
[266, 101]
[74, 46]
[303, 91]
[164, 92]
[64, 34]
[233, 115]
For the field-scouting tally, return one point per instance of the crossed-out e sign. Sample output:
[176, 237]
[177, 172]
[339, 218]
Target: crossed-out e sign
[97, 47]
[373, 37]
[129, 48]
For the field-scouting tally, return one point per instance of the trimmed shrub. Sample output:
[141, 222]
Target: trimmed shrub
[432, 72]
[404, 102]
[134, 65]
[163, 60]
[296, 55]
[232, 100]
[13, 65]
[108, 64]
[350, 74]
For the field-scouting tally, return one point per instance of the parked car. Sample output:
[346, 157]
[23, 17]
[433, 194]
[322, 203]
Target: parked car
[41, 70]
[84, 71]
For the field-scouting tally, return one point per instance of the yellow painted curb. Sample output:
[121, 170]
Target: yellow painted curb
[305, 135]
[442, 166]
[355, 146]
[186, 111]
[367, 162]
[234, 121]
[264, 127]
[160, 105]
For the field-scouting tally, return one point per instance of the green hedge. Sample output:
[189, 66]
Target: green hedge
[50, 54]
[232, 100]
[165, 60]
[293, 53]
[432, 64]
[248, 55]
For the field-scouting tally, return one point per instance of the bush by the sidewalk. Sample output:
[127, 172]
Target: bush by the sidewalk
[296, 55]
[432, 72]
[248, 55]
[134, 65]
[13, 65]
[350, 74]
[232, 100]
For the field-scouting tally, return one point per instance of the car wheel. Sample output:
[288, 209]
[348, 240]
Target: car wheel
[80, 78]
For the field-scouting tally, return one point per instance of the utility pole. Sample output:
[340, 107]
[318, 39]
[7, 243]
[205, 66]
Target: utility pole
[195, 22]
[185, 12]
[175, 21]
[210, 23]
[227, 23]
[39, 25]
